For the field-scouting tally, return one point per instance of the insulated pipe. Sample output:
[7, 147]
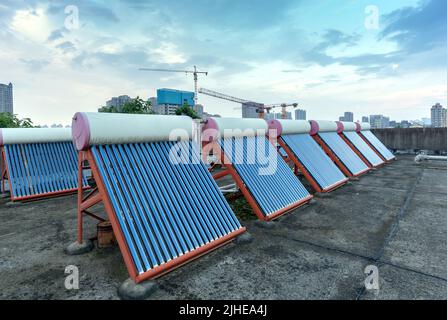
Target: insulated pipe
[364, 126]
[233, 127]
[420, 157]
[33, 135]
[322, 126]
[278, 127]
[93, 128]
[345, 126]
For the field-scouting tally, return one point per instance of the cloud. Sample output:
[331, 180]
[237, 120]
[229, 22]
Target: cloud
[35, 64]
[66, 47]
[417, 29]
[333, 38]
[55, 35]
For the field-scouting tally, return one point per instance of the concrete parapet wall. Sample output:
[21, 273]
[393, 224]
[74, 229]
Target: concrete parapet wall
[434, 139]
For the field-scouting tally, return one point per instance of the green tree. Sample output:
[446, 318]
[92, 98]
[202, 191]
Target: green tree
[8, 120]
[136, 106]
[186, 110]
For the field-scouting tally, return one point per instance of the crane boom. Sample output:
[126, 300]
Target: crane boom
[194, 72]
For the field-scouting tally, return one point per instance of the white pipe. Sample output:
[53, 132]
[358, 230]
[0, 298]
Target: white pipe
[420, 157]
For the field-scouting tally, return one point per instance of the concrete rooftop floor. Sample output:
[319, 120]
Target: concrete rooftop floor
[394, 218]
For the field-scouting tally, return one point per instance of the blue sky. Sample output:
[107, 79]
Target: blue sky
[317, 53]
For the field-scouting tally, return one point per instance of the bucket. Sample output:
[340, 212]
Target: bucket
[106, 237]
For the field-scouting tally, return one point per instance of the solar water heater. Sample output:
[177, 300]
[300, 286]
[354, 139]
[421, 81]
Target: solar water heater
[310, 159]
[163, 204]
[364, 130]
[38, 162]
[348, 132]
[266, 181]
[325, 133]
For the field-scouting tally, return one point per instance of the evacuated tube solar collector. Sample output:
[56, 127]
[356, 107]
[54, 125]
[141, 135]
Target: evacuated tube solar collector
[325, 133]
[38, 162]
[243, 147]
[163, 213]
[316, 166]
[348, 132]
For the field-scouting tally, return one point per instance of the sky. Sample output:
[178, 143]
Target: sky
[368, 57]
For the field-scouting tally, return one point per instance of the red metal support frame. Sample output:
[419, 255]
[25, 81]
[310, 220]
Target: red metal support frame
[299, 165]
[102, 196]
[5, 175]
[306, 173]
[247, 194]
[372, 147]
[357, 151]
[85, 203]
[331, 155]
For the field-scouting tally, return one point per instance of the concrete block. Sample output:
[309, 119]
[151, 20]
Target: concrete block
[244, 238]
[322, 195]
[129, 290]
[265, 224]
[77, 248]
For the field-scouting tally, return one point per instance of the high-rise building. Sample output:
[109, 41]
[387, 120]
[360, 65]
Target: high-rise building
[348, 117]
[300, 114]
[438, 116]
[379, 121]
[118, 102]
[6, 99]
[169, 100]
[365, 119]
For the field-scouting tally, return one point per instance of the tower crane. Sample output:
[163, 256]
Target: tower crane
[195, 73]
[261, 108]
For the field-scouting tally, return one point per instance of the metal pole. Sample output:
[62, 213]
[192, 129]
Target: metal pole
[195, 85]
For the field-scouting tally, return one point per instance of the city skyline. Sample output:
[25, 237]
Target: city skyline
[310, 54]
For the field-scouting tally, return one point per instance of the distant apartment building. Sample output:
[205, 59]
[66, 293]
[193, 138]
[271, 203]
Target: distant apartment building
[118, 102]
[365, 119]
[438, 116]
[169, 100]
[379, 121]
[152, 101]
[166, 109]
[347, 116]
[404, 124]
[6, 98]
[300, 114]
